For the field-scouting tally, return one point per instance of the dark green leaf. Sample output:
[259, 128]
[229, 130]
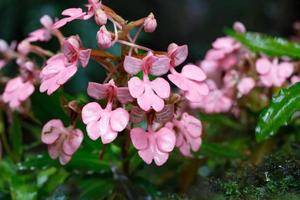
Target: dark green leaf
[88, 161]
[23, 187]
[47, 107]
[38, 161]
[15, 134]
[219, 150]
[278, 114]
[221, 119]
[95, 188]
[272, 46]
[51, 178]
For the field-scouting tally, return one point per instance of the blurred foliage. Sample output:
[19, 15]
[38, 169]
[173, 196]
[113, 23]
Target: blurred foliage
[268, 45]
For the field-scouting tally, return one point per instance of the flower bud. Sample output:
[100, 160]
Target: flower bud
[104, 38]
[46, 21]
[3, 46]
[100, 17]
[150, 23]
[24, 47]
[239, 27]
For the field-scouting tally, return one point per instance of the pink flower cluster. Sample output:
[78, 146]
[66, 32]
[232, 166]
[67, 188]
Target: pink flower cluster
[232, 74]
[138, 85]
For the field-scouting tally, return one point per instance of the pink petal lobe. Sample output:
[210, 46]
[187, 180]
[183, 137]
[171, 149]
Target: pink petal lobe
[119, 119]
[178, 80]
[136, 87]
[285, 69]
[132, 65]
[109, 136]
[263, 65]
[66, 74]
[139, 138]
[160, 66]
[73, 142]
[91, 112]
[165, 140]
[84, 57]
[193, 72]
[123, 95]
[161, 87]
[51, 131]
[97, 91]
[94, 130]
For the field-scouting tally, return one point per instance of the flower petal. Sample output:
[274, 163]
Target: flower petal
[91, 112]
[119, 119]
[165, 140]
[139, 138]
[136, 87]
[132, 65]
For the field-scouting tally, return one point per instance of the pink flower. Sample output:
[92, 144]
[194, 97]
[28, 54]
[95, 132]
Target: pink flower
[150, 23]
[104, 123]
[224, 52]
[215, 102]
[273, 73]
[190, 81]
[153, 145]
[16, 91]
[149, 94]
[95, 8]
[109, 90]
[189, 134]
[73, 52]
[177, 54]
[245, 85]
[104, 38]
[211, 69]
[62, 142]
[71, 15]
[151, 64]
[56, 73]
[42, 34]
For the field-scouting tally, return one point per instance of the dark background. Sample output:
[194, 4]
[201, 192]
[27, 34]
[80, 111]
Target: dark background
[193, 22]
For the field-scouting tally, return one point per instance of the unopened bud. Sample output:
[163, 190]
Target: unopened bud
[46, 21]
[239, 27]
[100, 17]
[24, 47]
[150, 23]
[104, 38]
[3, 46]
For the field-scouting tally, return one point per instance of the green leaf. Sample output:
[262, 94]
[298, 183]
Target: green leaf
[88, 161]
[261, 43]
[23, 187]
[221, 119]
[219, 150]
[48, 107]
[278, 114]
[15, 134]
[50, 179]
[95, 188]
